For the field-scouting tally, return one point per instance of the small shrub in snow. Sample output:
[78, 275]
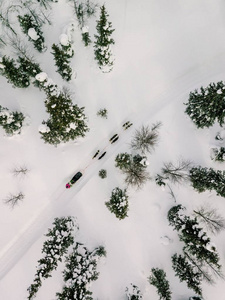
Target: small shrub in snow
[133, 292]
[86, 36]
[187, 272]
[80, 271]
[212, 220]
[66, 122]
[102, 173]
[118, 203]
[59, 239]
[13, 73]
[62, 55]
[103, 113]
[158, 279]
[103, 42]
[208, 105]
[13, 200]
[203, 179]
[146, 138]
[11, 122]
[20, 171]
[217, 154]
[32, 29]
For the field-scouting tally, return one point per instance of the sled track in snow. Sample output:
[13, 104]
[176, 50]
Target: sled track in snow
[38, 225]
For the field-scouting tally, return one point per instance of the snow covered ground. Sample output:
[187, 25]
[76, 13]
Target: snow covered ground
[163, 50]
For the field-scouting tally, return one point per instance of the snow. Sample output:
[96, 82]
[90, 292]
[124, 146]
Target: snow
[43, 128]
[64, 39]
[33, 34]
[163, 50]
[85, 29]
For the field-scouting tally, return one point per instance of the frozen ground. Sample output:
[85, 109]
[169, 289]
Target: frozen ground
[163, 50]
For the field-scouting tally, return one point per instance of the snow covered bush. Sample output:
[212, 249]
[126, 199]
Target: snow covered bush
[13, 73]
[32, 29]
[62, 55]
[134, 168]
[197, 245]
[146, 138]
[103, 42]
[59, 239]
[67, 121]
[118, 203]
[102, 173]
[80, 271]
[187, 272]
[11, 122]
[158, 279]
[203, 179]
[43, 82]
[208, 105]
[217, 154]
[133, 292]
[103, 113]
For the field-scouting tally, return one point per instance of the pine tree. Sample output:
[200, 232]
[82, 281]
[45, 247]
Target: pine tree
[66, 122]
[118, 203]
[158, 279]
[11, 122]
[103, 42]
[29, 66]
[133, 292]
[186, 272]
[123, 160]
[32, 29]
[13, 73]
[204, 179]
[62, 55]
[207, 106]
[59, 239]
[80, 270]
[217, 154]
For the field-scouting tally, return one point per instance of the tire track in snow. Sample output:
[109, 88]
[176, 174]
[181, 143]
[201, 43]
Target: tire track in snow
[38, 225]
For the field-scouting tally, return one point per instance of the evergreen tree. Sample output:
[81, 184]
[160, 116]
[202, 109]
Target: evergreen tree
[13, 73]
[80, 270]
[11, 122]
[29, 67]
[217, 154]
[32, 29]
[118, 203]
[62, 55]
[66, 122]
[158, 279]
[59, 239]
[203, 179]
[103, 42]
[186, 272]
[133, 292]
[102, 173]
[207, 106]
[123, 161]
[86, 36]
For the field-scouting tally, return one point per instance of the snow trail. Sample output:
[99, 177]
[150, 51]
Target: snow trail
[38, 225]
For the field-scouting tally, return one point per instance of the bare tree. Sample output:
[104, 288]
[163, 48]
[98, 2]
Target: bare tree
[177, 173]
[13, 200]
[20, 171]
[146, 138]
[212, 220]
[136, 176]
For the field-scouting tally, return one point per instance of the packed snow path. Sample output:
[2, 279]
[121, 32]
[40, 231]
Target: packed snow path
[194, 77]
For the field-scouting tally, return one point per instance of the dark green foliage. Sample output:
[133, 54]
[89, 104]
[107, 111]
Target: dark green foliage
[27, 22]
[103, 42]
[218, 154]
[80, 270]
[133, 293]
[158, 279]
[102, 173]
[11, 122]
[29, 67]
[66, 121]
[59, 239]
[62, 55]
[102, 113]
[123, 161]
[13, 73]
[86, 38]
[204, 179]
[208, 105]
[175, 216]
[186, 272]
[118, 203]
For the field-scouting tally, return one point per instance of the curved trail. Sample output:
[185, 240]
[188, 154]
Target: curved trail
[38, 225]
